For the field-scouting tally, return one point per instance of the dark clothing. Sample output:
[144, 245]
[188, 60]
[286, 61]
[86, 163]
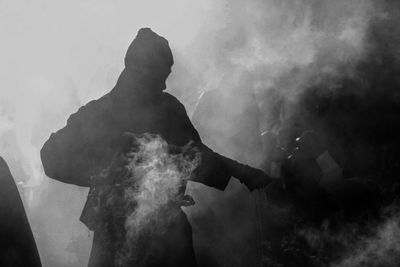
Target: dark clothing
[96, 133]
[172, 247]
[92, 136]
[17, 245]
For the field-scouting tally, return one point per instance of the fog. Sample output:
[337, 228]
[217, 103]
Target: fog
[58, 55]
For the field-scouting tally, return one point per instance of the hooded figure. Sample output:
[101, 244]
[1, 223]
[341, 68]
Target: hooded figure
[138, 105]
[17, 245]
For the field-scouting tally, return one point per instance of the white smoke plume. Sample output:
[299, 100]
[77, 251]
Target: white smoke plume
[382, 248]
[270, 39]
[157, 176]
[369, 243]
[59, 55]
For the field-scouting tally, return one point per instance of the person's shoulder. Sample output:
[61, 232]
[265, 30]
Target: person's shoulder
[93, 108]
[172, 101]
[102, 103]
[169, 97]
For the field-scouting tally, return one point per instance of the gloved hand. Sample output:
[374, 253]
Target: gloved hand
[254, 178]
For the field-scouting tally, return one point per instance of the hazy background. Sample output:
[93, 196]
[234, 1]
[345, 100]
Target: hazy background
[57, 55]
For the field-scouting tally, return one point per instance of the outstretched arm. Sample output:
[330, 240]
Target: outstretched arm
[216, 170]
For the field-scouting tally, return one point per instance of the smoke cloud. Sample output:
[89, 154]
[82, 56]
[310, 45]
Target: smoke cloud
[371, 243]
[380, 249]
[57, 56]
[270, 39]
[148, 190]
[157, 178]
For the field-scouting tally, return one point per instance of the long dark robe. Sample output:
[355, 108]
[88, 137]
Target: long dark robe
[17, 245]
[86, 145]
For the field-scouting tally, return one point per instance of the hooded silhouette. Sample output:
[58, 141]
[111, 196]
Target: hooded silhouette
[137, 104]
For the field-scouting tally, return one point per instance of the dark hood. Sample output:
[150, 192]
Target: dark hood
[149, 49]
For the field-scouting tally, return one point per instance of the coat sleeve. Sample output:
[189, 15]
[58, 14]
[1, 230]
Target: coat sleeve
[214, 169]
[75, 152]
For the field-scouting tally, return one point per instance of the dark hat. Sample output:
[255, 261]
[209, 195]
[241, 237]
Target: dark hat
[148, 48]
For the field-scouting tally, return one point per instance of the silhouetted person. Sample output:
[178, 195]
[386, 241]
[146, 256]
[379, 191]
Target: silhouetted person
[17, 245]
[137, 104]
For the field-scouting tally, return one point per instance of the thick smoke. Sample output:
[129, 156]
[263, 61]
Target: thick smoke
[157, 178]
[380, 249]
[271, 39]
[148, 190]
[328, 66]
[57, 56]
[353, 244]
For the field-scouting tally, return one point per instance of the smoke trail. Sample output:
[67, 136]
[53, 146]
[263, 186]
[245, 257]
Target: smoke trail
[354, 244]
[155, 183]
[158, 176]
[284, 44]
[271, 38]
[382, 248]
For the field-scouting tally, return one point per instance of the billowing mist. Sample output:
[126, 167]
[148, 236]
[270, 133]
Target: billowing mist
[295, 56]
